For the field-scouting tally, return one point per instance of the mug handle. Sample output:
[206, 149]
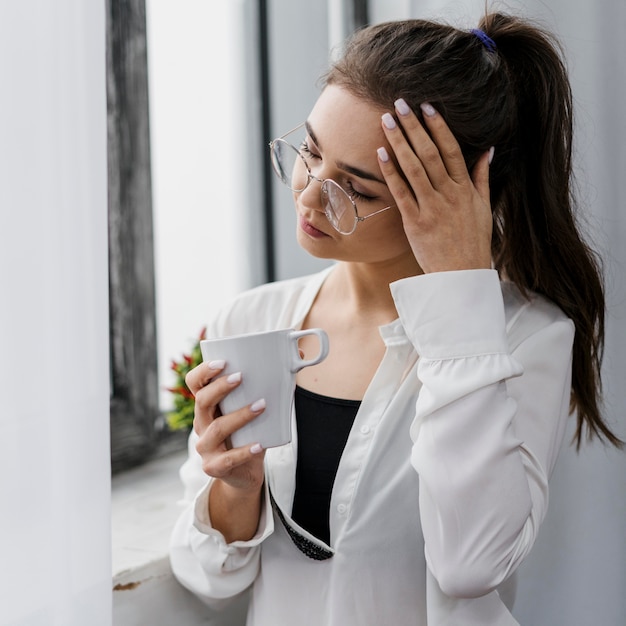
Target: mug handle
[322, 337]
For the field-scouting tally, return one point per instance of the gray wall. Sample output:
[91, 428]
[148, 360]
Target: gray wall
[298, 31]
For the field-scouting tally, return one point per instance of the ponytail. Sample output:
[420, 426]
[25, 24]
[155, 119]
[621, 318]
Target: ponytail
[536, 241]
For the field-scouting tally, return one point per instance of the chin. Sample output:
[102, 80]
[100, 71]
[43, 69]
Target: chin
[320, 249]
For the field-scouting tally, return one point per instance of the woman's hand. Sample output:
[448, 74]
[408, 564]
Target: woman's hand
[446, 212]
[241, 469]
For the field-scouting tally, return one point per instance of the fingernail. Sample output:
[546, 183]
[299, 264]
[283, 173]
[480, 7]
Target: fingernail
[492, 151]
[388, 121]
[256, 448]
[382, 155]
[258, 405]
[401, 106]
[428, 109]
[218, 364]
[234, 378]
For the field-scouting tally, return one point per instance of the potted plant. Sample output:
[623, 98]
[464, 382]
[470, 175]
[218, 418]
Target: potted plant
[181, 416]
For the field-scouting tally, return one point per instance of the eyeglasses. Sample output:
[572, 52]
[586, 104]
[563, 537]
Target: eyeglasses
[292, 168]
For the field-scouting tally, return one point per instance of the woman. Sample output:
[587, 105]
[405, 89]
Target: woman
[465, 318]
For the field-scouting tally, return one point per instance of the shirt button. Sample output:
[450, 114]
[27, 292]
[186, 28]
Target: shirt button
[341, 509]
[365, 430]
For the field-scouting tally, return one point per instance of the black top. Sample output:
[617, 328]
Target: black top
[323, 427]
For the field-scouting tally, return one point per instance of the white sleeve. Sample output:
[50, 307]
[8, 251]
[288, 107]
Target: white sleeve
[489, 422]
[201, 559]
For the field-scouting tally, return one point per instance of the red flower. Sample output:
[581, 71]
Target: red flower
[183, 391]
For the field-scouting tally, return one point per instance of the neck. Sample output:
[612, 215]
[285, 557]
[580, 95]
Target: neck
[364, 287]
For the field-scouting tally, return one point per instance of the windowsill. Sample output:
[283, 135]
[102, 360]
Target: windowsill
[144, 508]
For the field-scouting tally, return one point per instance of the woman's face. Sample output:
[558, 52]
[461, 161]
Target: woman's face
[343, 135]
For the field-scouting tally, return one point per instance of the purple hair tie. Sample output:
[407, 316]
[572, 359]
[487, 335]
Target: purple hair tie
[488, 42]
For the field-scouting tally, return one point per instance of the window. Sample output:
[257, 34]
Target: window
[195, 92]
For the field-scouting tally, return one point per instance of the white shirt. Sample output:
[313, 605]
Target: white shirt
[443, 482]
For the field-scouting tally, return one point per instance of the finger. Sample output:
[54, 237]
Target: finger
[207, 399]
[400, 190]
[221, 465]
[422, 144]
[202, 374]
[216, 434]
[447, 145]
[480, 175]
[408, 161]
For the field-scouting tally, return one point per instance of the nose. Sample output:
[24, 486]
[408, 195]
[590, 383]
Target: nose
[313, 177]
[311, 196]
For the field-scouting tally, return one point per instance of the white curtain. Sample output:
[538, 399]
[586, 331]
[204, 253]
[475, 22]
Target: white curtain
[576, 574]
[54, 378]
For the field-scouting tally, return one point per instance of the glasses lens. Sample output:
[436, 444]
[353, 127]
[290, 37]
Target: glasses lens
[339, 208]
[288, 165]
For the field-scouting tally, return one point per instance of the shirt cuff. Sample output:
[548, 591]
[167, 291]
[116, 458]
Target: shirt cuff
[202, 519]
[454, 314]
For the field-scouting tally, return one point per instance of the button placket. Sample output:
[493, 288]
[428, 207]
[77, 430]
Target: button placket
[373, 407]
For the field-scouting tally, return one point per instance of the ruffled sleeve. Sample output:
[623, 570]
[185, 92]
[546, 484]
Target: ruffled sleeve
[489, 421]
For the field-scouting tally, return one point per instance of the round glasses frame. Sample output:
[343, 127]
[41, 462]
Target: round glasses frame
[329, 188]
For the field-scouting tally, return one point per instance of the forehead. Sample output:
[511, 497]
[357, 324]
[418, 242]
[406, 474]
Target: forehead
[341, 120]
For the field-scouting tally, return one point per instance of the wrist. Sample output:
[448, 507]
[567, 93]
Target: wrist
[233, 493]
[235, 512]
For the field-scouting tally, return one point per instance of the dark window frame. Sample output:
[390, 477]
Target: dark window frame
[132, 312]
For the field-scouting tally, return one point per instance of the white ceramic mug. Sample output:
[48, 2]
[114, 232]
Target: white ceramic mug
[268, 362]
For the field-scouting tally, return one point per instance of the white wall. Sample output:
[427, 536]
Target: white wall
[54, 344]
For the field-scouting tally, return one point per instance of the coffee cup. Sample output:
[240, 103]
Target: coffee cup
[268, 362]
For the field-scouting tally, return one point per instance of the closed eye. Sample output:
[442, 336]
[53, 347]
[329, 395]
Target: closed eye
[308, 155]
[356, 195]
[306, 151]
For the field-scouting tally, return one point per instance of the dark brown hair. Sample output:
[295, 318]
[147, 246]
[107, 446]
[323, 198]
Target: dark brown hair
[515, 96]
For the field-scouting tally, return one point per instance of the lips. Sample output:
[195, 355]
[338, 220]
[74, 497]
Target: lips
[309, 229]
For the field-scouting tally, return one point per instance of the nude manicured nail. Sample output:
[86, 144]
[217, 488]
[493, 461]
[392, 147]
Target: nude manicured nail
[492, 151]
[401, 106]
[428, 109]
[256, 448]
[382, 155]
[234, 378]
[258, 405]
[218, 364]
[388, 121]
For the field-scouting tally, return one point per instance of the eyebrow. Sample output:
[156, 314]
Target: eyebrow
[344, 166]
